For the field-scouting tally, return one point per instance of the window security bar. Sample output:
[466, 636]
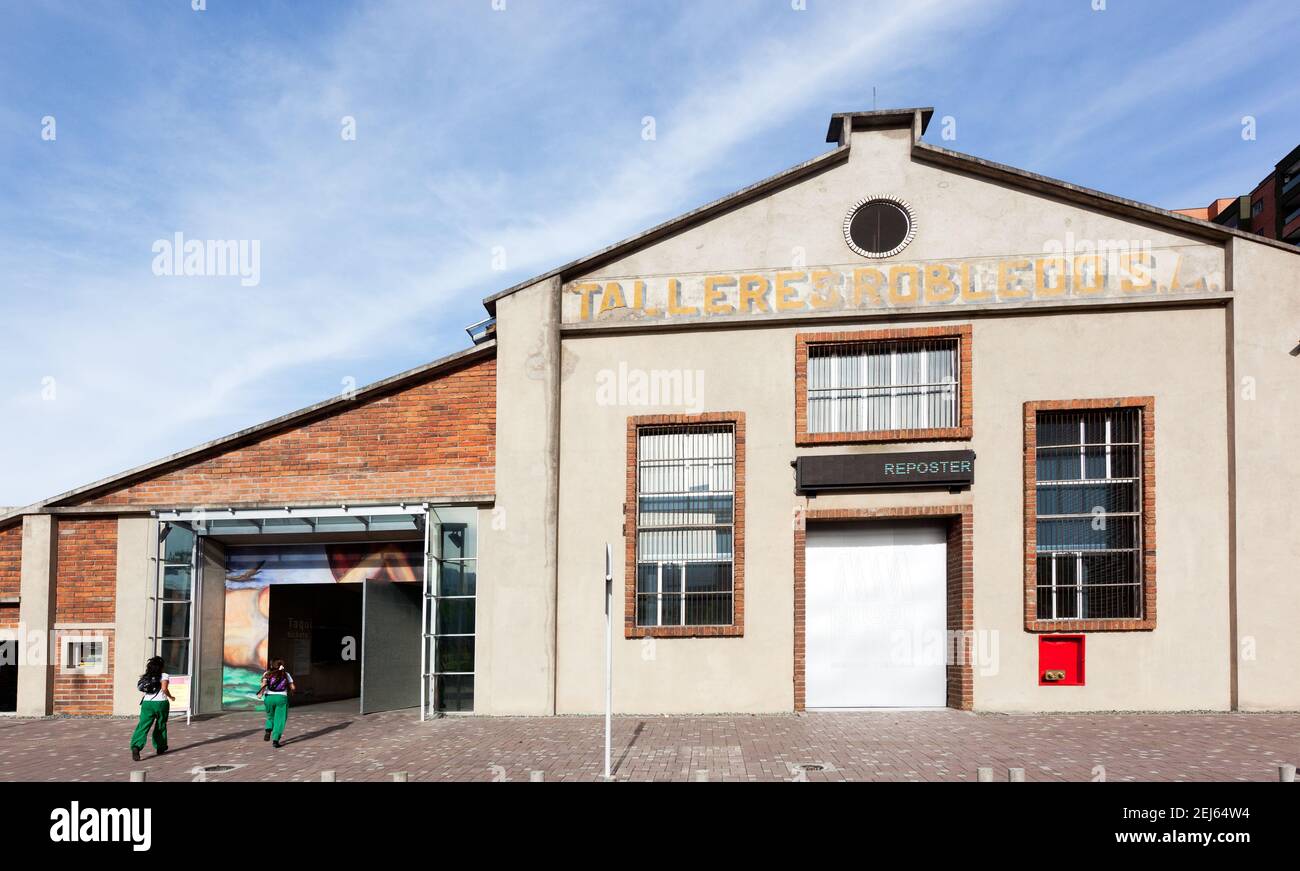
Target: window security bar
[878, 386]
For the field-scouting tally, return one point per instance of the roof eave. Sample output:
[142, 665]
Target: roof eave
[249, 434]
[1088, 196]
[668, 228]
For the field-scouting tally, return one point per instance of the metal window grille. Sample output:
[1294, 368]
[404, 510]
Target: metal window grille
[1089, 514]
[686, 487]
[882, 386]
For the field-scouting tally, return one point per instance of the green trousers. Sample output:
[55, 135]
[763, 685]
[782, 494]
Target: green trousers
[277, 713]
[153, 715]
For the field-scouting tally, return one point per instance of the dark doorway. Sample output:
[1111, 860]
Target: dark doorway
[316, 630]
[8, 676]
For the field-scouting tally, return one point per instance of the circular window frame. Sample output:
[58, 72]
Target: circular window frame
[880, 198]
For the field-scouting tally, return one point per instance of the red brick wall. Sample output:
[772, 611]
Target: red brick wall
[85, 590]
[11, 559]
[437, 438]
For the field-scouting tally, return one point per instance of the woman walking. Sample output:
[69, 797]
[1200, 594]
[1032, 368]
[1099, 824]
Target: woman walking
[276, 686]
[155, 707]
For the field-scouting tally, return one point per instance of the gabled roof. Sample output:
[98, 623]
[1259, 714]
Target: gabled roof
[918, 119]
[818, 164]
[293, 419]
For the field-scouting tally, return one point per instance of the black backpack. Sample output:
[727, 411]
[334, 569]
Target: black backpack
[149, 684]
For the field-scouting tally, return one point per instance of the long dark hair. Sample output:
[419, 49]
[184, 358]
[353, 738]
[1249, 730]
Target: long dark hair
[276, 666]
[153, 668]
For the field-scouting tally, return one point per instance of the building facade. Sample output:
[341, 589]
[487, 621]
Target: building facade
[1272, 209]
[898, 427]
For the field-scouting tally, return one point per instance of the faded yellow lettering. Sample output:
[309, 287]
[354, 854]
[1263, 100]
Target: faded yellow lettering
[1098, 275]
[753, 293]
[674, 300]
[613, 297]
[586, 290]
[1009, 286]
[827, 282]
[1043, 269]
[968, 291]
[1136, 266]
[939, 286]
[866, 282]
[715, 296]
[897, 296]
[787, 297]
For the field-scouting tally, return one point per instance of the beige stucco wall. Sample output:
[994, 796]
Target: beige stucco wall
[36, 616]
[136, 546]
[211, 583]
[1266, 324]
[958, 216]
[515, 650]
[1176, 355]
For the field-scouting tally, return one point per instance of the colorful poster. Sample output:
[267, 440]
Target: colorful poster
[179, 686]
[250, 573]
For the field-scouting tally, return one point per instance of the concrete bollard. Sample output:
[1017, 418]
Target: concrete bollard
[1015, 775]
[399, 777]
[139, 776]
[327, 777]
[1286, 773]
[984, 775]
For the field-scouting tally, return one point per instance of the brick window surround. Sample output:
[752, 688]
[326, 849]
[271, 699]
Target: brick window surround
[961, 591]
[1148, 620]
[960, 332]
[737, 626]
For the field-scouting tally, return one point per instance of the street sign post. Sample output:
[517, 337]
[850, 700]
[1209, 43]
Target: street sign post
[609, 650]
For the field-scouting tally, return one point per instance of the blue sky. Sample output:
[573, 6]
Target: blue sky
[480, 131]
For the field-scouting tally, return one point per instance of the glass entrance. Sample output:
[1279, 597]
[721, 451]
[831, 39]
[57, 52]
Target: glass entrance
[450, 610]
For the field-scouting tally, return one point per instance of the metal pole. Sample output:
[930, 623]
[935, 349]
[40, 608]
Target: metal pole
[327, 776]
[1286, 773]
[399, 777]
[609, 650]
[984, 775]
[138, 776]
[1016, 775]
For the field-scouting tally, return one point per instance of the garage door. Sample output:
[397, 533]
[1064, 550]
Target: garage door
[876, 615]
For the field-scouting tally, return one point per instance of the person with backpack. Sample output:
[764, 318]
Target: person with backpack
[155, 708]
[277, 683]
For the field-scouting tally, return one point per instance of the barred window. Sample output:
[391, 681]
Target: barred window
[879, 386]
[1089, 514]
[685, 525]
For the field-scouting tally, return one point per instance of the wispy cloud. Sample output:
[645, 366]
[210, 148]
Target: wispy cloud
[471, 135]
[477, 130]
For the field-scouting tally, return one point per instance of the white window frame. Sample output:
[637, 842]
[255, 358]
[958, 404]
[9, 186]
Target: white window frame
[68, 642]
[861, 351]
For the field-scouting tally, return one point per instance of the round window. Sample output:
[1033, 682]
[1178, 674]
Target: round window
[879, 226]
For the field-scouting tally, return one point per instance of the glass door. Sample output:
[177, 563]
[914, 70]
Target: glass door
[450, 610]
[174, 602]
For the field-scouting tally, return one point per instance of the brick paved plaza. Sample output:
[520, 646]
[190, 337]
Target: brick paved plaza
[930, 745]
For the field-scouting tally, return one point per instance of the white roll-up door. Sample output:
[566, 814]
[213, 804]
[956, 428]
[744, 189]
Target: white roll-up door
[876, 615]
